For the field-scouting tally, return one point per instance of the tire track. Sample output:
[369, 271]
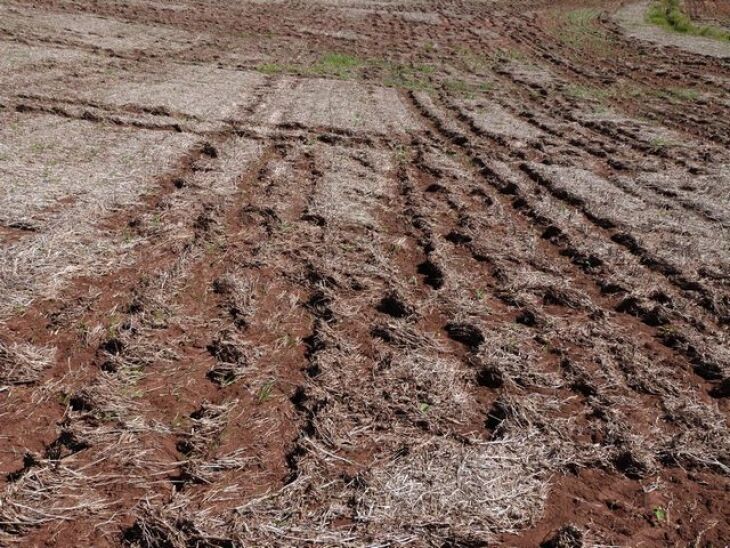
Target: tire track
[705, 366]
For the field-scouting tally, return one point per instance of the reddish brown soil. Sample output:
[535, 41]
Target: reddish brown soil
[247, 375]
[709, 10]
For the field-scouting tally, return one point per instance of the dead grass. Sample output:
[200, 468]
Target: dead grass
[91, 30]
[704, 438]
[685, 241]
[179, 91]
[342, 334]
[471, 490]
[23, 363]
[509, 357]
[579, 30]
[494, 120]
[208, 423]
[49, 492]
[343, 105]
[64, 177]
[233, 355]
[170, 524]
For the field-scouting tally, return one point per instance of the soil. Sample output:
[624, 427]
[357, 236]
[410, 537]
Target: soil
[363, 273]
[711, 11]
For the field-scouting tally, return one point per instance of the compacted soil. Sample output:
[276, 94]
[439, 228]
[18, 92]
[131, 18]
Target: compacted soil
[362, 273]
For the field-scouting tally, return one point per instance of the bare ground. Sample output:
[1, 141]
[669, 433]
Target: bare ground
[352, 273]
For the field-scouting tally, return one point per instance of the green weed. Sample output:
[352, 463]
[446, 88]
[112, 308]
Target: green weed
[401, 154]
[273, 68]
[668, 14]
[586, 92]
[266, 390]
[579, 31]
[502, 55]
[658, 144]
[683, 95]
[289, 341]
[660, 514]
[472, 60]
[344, 67]
[398, 75]
[338, 65]
[467, 89]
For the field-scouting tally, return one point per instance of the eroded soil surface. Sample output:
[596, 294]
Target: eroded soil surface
[351, 272]
[712, 11]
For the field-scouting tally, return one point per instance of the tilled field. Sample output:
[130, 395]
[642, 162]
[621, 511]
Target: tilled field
[348, 273]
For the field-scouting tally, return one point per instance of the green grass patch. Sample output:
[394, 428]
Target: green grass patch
[658, 144]
[660, 514]
[607, 94]
[623, 91]
[459, 87]
[331, 65]
[338, 65]
[586, 93]
[507, 55]
[345, 67]
[266, 391]
[400, 75]
[579, 30]
[273, 68]
[668, 14]
[473, 61]
[680, 95]
[467, 90]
